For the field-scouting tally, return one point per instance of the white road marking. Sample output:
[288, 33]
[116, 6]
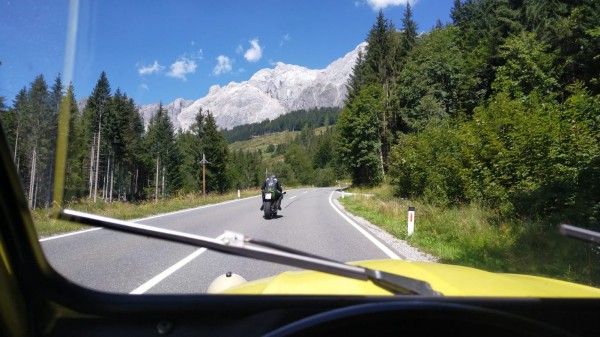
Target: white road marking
[69, 234]
[293, 197]
[148, 218]
[364, 232]
[158, 278]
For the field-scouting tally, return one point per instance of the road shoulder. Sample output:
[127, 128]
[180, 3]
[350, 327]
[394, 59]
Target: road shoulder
[401, 246]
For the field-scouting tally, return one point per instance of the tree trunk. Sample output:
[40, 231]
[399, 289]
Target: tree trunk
[107, 180]
[163, 182]
[16, 147]
[92, 156]
[156, 184]
[112, 181]
[97, 159]
[135, 188]
[32, 177]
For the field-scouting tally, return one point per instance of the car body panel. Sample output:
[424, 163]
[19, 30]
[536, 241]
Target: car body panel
[450, 280]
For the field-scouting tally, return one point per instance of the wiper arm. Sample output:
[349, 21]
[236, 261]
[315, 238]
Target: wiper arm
[240, 245]
[580, 233]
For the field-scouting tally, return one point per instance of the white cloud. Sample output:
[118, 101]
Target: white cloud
[224, 65]
[144, 86]
[381, 4]
[151, 69]
[285, 39]
[195, 56]
[239, 49]
[182, 67]
[253, 54]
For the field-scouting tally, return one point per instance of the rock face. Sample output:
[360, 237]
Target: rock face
[269, 93]
[173, 110]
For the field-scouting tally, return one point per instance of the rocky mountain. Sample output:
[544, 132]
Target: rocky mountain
[269, 93]
[173, 110]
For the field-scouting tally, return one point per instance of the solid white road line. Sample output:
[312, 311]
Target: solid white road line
[70, 234]
[148, 218]
[364, 232]
[158, 278]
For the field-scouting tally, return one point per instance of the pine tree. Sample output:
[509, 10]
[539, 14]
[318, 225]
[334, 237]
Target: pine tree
[74, 181]
[163, 154]
[16, 126]
[214, 147]
[409, 28]
[93, 135]
[133, 136]
[41, 134]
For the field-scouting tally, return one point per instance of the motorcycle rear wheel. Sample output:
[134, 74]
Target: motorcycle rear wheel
[267, 209]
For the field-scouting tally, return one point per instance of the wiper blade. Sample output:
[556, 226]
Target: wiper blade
[580, 233]
[240, 245]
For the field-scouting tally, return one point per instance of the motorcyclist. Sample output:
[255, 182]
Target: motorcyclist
[272, 183]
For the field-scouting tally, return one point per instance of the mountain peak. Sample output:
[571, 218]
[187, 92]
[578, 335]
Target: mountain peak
[269, 93]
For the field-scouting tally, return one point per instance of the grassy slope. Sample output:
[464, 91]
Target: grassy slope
[47, 226]
[474, 236]
[261, 142]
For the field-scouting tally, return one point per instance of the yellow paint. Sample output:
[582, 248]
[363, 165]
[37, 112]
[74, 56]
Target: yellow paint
[449, 280]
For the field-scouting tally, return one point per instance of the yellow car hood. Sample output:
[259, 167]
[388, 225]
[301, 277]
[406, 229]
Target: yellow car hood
[450, 280]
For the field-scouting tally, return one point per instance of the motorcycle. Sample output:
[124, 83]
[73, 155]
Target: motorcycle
[270, 203]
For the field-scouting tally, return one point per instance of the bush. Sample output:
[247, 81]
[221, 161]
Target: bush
[324, 177]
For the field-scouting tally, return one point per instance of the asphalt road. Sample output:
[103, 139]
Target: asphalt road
[124, 263]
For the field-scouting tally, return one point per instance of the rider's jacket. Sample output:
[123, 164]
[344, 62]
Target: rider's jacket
[271, 183]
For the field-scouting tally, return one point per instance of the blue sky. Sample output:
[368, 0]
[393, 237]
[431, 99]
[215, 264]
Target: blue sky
[160, 50]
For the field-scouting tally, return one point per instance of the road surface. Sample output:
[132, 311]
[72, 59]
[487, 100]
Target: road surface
[124, 263]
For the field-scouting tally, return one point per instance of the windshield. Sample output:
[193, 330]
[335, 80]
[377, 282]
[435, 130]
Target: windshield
[443, 142]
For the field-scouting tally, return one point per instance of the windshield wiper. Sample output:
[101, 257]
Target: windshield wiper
[240, 245]
[580, 233]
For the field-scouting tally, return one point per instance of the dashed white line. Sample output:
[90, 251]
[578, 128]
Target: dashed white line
[158, 278]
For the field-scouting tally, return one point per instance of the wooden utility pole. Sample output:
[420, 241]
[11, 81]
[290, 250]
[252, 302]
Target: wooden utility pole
[204, 162]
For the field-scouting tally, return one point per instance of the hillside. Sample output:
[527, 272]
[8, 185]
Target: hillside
[262, 142]
[294, 121]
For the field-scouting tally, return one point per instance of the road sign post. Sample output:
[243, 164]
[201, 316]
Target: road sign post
[411, 220]
[204, 162]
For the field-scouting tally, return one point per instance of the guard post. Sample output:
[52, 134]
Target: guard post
[411, 220]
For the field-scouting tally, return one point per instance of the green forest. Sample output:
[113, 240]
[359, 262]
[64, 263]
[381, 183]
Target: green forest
[292, 121]
[111, 156]
[499, 107]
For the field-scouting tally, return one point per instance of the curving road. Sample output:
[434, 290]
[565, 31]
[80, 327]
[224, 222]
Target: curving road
[124, 263]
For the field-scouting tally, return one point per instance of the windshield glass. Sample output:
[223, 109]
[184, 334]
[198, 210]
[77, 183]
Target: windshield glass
[434, 140]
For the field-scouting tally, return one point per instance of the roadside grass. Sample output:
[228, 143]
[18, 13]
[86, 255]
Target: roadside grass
[475, 236]
[47, 226]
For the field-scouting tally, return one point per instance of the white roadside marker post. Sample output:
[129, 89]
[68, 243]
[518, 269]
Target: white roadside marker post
[411, 220]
